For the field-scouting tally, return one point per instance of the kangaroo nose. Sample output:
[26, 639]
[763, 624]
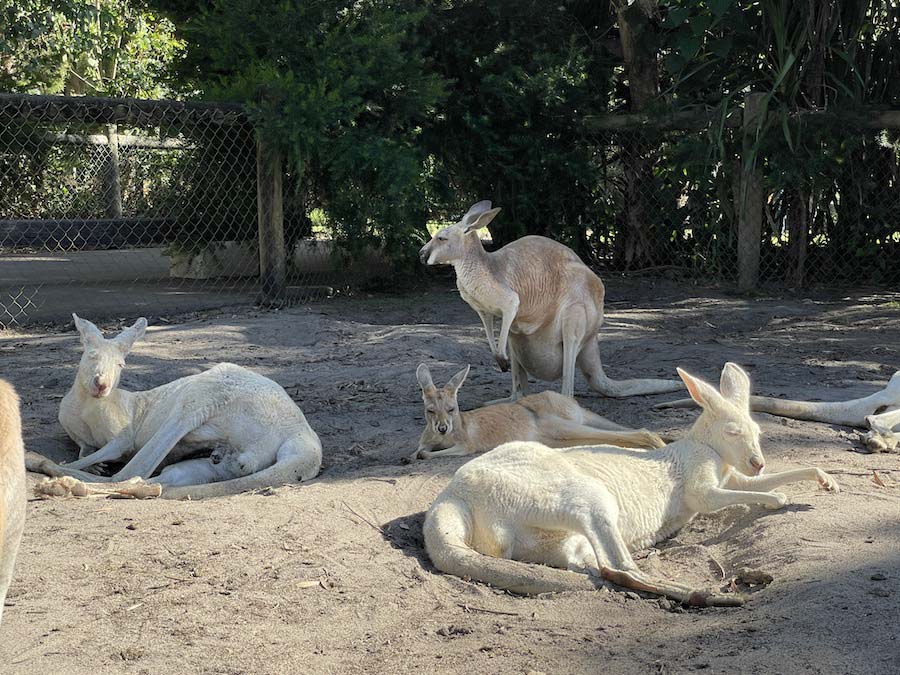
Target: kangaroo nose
[757, 463]
[442, 428]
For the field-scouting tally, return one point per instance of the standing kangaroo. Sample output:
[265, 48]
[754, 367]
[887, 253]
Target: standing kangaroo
[549, 302]
[261, 438]
[548, 418]
[12, 486]
[589, 507]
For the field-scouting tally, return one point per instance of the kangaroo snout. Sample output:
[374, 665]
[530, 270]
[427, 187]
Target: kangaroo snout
[442, 428]
[423, 253]
[100, 387]
[758, 463]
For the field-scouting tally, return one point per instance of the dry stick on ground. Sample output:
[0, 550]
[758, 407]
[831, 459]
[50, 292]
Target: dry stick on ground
[469, 608]
[363, 518]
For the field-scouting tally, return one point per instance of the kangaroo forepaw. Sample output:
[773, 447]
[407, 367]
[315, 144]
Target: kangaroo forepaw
[826, 481]
[502, 361]
[780, 500]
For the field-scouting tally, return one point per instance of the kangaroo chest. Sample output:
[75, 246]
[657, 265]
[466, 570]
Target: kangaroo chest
[102, 425]
[483, 294]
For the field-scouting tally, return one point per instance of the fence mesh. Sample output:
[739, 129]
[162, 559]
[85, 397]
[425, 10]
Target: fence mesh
[831, 207]
[113, 207]
[116, 207]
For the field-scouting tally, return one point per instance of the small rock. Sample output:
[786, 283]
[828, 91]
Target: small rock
[880, 592]
[665, 603]
[631, 595]
[878, 576]
[131, 526]
[754, 577]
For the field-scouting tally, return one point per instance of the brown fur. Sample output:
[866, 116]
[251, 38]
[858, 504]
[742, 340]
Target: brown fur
[550, 306]
[549, 418]
[12, 485]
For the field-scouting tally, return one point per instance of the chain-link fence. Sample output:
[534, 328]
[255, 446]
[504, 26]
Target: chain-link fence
[116, 207]
[828, 205]
[113, 207]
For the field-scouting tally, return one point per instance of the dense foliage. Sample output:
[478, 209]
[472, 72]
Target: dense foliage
[391, 113]
[103, 47]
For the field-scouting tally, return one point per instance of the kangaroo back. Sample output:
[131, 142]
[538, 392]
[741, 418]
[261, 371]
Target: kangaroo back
[447, 534]
[12, 485]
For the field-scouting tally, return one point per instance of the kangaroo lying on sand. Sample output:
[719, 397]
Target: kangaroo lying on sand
[12, 486]
[548, 418]
[589, 507]
[878, 412]
[550, 304]
[260, 436]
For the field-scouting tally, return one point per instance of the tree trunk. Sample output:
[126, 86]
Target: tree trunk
[798, 233]
[639, 49]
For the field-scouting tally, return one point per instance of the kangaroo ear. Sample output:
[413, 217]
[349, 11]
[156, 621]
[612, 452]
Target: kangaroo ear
[483, 220]
[475, 209]
[456, 381]
[423, 375]
[126, 339]
[735, 385]
[90, 334]
[703, 393]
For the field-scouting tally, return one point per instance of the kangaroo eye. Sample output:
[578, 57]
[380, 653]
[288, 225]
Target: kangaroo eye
[430, 411]
[442, 238]
[451, 410]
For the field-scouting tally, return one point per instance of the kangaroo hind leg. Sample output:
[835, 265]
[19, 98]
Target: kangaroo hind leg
[598, 525]
[563, 433]
[591, 365]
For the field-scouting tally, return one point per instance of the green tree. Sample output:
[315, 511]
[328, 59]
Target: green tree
[102, 47]
[343, 88]
[522, 74]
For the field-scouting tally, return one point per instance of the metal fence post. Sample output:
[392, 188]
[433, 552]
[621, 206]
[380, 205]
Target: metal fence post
[270, 215]
[113, 183]
[752, 197]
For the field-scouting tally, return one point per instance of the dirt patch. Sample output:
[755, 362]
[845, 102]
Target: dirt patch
[331, 576]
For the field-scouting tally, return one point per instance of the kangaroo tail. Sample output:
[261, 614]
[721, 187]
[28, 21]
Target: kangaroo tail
[637, 581]
[569, 433]
[810, 411]
[298, 460]
[447, 530]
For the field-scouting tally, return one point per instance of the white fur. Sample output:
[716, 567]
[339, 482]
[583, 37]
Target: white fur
[589, 507]
[268, 439]
[549, 302]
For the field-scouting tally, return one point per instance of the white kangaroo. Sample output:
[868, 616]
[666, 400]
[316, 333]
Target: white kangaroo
[12, 486]
[260, 436]
[549, 302]
[878, 412]
[589, 507]
[548, 418]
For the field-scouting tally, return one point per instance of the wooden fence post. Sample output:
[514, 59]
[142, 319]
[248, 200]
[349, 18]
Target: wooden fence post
[112, 184]
[752, 197]
[270, 215]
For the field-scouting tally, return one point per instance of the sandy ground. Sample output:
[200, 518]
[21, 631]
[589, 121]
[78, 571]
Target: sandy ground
[112, 586]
